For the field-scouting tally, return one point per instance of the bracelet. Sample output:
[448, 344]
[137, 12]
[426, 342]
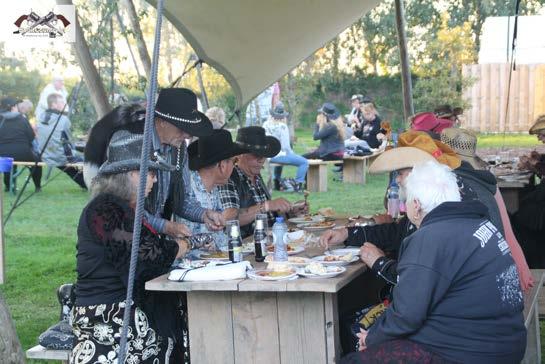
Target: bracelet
[262, 208]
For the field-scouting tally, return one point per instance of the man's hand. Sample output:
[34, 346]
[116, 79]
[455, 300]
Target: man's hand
[333, 237]
[369, 253]
[183, 248]
[176, 229]
[214, 220]
[299, 208]
[382, 219]
[362, 336]
[278, 205]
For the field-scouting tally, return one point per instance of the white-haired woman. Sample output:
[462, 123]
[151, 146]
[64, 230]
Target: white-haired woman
[329, 130]
[103, 255]
[276, 127]
[458, 297]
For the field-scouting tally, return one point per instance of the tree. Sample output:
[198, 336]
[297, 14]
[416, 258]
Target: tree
[138, 36]
[10, 347]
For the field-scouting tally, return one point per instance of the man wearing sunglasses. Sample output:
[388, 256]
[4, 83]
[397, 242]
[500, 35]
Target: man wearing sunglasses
[246, 195]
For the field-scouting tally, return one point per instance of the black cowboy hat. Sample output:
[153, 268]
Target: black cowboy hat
[124, 152]
[253, 139]
[8, 102]
[212, 149]
[279, 112]
[329, 110]
[178, 106]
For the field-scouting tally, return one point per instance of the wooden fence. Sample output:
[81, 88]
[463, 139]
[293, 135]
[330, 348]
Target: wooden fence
[488, 97]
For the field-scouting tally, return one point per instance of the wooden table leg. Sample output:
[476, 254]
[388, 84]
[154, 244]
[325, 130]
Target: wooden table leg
[317, 178]
[511, 199]
[353, 170]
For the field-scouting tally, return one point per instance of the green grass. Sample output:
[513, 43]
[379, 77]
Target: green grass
[41, 236]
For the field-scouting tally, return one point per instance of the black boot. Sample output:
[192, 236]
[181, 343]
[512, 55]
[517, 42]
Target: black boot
[276, 185]
[299, 187]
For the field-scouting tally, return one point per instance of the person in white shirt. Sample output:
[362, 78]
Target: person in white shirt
[276, 127]
[56, 86]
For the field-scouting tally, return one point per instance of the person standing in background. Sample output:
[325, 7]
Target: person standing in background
[56, 86]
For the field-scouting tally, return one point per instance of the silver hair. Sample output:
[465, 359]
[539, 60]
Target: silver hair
[119, 185]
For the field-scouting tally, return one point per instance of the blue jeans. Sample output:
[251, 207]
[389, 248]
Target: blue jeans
[291, 159]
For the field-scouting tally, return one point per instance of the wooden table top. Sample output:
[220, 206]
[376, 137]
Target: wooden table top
[330, 285]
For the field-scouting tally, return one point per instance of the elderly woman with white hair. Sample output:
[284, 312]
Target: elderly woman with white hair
[458, 297]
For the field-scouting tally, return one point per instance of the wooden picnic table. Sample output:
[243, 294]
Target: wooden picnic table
[248, 321]
[510, 191]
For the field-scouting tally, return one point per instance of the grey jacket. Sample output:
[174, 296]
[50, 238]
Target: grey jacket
[54, 152]
[330, 139]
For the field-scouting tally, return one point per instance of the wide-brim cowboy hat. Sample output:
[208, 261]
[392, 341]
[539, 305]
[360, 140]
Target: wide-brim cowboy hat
[212, 149]
[427, 121]
[253, 139]
[539, 126]
[439, 150]
[124, 155]
[178, 106]
[399, 158]
[464, 143]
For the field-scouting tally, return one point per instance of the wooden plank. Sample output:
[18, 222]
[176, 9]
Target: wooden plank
[494, 97]
[255, 328]
[484, 97]
[513, 102]
[504, 70]
[531, 319]
[531, 92]
[333, 342]
[39, 352]
[2, 243]
[210, 325]
[353, 170]
[522, 117]
[539, 92]
[302, 328]
[475, 98]
[317, 176]
[162, 283]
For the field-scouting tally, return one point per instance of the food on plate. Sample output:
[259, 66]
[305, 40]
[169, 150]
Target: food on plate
[215, 255]
[278, 266]
[274, 273]
[320, 225]
[326, 212]
[337, 258]
[289, 248]
[316, 268]
[295, 260]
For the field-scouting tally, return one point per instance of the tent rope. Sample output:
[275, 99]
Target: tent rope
[146, 147]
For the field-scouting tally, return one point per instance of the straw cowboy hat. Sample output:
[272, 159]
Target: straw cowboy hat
[539, 125]
[440, 151]
[399, 158]
[464, 143]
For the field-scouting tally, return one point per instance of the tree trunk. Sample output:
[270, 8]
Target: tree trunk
[10, 347]
[140, 43]
[91, 76]
[406, 81]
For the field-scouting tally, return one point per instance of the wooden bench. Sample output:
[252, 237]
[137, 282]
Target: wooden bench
[355, 168]
[29, 165]
[39, 352]
[531, 319]
[316, 175]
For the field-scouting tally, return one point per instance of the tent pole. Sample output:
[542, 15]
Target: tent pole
[201, 85]
[406, 82]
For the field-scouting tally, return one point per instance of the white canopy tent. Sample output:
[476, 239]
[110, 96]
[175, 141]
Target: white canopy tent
[253, 43]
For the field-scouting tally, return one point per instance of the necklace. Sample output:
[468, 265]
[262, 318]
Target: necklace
[178, 157]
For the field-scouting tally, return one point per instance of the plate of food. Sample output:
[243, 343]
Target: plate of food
[332, 259]
[292, 249]
[306, 219]
[343, 251]
[295, 237]
[318, 226]
[294, 261]
[318, 270]
[360, 218]
[271, 275]
[191, 264]
[219, 255]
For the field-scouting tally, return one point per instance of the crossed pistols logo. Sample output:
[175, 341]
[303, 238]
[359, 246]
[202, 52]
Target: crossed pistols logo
[32, 25]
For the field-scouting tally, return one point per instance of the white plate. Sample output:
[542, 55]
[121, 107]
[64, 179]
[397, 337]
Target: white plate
[304, 261]
[301, 220]
[187, 264]
[253, 274]
[333, 271]
[335, 262]
[294, 235]
[296, 250]
[344, 251]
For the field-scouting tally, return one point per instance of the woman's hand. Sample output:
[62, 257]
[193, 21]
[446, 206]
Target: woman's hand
[176, 230]
[362, 336]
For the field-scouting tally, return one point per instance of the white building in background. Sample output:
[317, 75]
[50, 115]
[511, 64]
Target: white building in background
[497, 38]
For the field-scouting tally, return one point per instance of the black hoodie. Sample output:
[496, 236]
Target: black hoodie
[484, 184]
[458, 292]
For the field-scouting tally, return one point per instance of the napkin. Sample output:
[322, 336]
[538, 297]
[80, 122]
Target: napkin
[215, 273]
